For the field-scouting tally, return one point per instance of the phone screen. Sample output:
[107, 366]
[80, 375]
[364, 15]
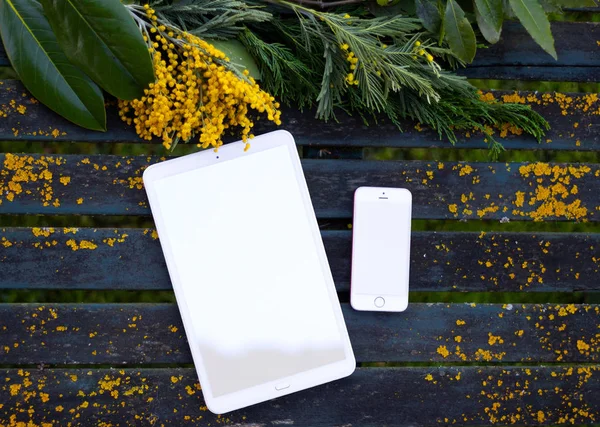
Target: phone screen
[381, 242]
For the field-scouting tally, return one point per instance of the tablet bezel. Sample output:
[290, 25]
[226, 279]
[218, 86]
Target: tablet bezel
[297, 382]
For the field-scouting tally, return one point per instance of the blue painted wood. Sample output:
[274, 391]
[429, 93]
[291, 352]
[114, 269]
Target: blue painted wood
[575, 45]
[370, 397]
[518, 57]
[112, 185]
[136, 333]
[583, 9]
[441, 261]
[39, 123]
[532, 72]
[335, 152]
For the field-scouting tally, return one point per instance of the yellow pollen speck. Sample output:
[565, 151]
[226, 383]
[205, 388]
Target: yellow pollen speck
[83, 244]
[541, 417]
[520, 198]
[582, 346]
[465, 170]
[494, 339]
[45, 232]
[442, 350]
[14, 389]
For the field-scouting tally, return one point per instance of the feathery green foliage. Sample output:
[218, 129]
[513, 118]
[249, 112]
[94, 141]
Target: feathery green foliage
[380, 68]
[458, 110]
[211, 19]
[359, 63]
[283, 75]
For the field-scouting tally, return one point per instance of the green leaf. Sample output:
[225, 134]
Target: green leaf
[101, 38]
[489, 15]
[44, 69]
[459, 32]
[534, 19]
[429, 15]
[238, 55]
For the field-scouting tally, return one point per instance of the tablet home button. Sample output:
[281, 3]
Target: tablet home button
[280, 387]
[379, 302]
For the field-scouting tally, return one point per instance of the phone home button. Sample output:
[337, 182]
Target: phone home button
[379, 302]
[280, 387]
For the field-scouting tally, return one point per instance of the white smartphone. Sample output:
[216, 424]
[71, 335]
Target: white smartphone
[380, 249]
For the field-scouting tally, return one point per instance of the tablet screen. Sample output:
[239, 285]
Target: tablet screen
[249, 269]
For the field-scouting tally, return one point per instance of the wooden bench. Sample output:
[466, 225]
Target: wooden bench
[530, 361]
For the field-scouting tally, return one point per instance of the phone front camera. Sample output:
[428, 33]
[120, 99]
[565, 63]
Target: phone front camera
[217, 157]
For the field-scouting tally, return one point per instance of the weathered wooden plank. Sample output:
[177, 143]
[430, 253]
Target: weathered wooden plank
[153, 333]
[583, 9]
[40, 124]
[441, 261]
[529, 72]
[112, 185]
[104, 259]
[369, 397]
[575, 44]
[518, 57]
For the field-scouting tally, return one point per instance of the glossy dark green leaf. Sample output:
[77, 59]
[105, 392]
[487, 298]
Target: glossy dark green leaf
[489, 15]
[101, 38]
[534, 19]
[429, 15]
[44, 69]
[459, 33]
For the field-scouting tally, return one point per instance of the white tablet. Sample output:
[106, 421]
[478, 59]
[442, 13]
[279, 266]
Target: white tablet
[249, 270]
